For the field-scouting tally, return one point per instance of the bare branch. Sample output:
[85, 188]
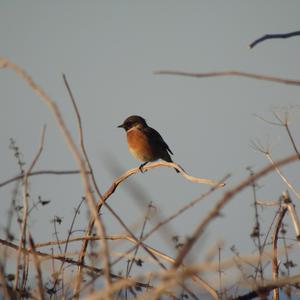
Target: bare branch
[294, 219]
[256, 145]
[80, 129]
[284, 179]
[42, 172]
[153, 166]
[230, 73]
[268, 203]
[274, 36]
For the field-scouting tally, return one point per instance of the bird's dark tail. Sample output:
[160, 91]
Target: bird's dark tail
[168, 158]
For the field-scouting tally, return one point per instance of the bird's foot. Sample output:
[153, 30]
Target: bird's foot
[141, 167]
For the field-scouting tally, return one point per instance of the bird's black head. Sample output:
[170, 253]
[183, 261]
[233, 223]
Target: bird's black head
[133, 121]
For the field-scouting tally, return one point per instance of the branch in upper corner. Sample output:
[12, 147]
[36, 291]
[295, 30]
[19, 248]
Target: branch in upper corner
[230, 73]
[273, 36]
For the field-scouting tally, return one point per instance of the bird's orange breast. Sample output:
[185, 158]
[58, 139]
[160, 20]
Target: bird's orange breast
[139, 145]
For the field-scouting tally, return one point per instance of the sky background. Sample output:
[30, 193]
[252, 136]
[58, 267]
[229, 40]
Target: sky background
[109, 51]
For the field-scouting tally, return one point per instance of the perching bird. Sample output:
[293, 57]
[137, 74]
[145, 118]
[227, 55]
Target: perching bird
[144, 142]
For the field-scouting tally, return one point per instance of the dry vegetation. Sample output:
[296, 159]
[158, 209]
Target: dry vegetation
[90, 274]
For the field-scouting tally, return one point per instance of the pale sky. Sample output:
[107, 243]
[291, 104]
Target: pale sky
[109, 51]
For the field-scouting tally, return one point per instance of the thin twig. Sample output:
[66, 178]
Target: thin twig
[257, 146]
[57, 220]
[292, 139]
[22, 240]
[273, 36]
[42, 172]
[294, 219]
[141, 236]
[220, 274]
[230, 73]
[39, 276]
[285, 124]
[256, 234]
[275, 266]
[81, 138]
[82, 146]
[268, 203]
[8, 229]
[66, 242]
[284, 179]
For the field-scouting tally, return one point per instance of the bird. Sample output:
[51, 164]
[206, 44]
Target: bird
[144, 142]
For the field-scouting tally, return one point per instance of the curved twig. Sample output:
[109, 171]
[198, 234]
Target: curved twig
[154, 165]
[85, 155]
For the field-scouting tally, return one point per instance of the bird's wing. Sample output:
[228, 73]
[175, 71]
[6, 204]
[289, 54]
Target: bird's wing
[157, 138]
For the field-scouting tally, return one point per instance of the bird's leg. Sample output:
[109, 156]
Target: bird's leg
[142, 165]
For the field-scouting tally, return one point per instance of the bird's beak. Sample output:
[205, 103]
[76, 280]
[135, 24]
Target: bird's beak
[121, 126]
